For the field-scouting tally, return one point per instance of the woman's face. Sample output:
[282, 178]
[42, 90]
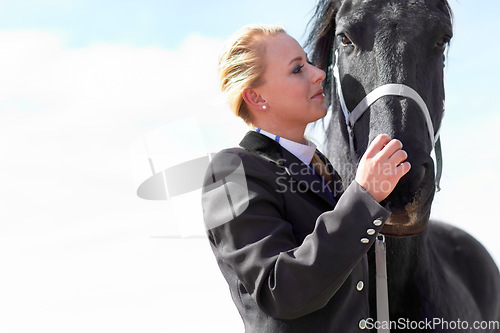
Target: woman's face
[291, 86]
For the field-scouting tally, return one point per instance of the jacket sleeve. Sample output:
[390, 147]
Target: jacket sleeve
[244, 215]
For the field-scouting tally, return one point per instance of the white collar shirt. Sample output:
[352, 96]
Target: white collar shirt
[304, 152]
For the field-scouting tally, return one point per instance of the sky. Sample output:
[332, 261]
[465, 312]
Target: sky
[90, 89]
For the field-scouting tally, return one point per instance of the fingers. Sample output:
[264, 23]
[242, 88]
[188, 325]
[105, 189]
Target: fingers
[386, 149]
[377, 145]
[398, 157]
[391, 148]
[384, 145]
[403, 169]
[382, 166]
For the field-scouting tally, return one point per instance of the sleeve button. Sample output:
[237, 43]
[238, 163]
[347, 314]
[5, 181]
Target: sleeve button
[360, 286]
[370, 232]
[377, 222]
[365, 240]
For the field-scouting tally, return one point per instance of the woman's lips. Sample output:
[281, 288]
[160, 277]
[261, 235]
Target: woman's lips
[318, 94]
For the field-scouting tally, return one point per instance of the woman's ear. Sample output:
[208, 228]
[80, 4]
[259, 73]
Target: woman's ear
[254, 100]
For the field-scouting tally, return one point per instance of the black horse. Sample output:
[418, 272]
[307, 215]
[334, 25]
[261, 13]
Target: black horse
[435, 271]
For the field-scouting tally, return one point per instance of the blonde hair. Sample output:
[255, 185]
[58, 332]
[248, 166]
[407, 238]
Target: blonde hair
[241, 64]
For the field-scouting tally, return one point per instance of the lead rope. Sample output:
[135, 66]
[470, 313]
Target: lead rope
[381, 280]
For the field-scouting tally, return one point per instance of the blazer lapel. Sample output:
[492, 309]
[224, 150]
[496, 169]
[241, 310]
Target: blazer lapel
[296, 169]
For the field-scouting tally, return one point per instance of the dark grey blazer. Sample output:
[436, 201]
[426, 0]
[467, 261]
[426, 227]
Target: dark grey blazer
[292, 252]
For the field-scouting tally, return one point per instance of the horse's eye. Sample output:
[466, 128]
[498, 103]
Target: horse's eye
[345, 40]
[443, 42]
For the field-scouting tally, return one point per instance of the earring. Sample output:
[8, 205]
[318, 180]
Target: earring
[264, 107]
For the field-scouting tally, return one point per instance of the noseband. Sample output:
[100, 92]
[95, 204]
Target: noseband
[391, 89]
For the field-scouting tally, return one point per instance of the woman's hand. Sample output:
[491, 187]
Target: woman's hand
[382, 166]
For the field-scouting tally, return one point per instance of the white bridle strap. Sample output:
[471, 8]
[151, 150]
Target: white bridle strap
[336, 74]
[394, 90]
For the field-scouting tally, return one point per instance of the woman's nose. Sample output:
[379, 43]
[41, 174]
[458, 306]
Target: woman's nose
[319, 75]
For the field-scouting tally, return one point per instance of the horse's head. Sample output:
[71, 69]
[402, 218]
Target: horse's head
[374, 43]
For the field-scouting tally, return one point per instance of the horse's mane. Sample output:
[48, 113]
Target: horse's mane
[322, 35]
[321, 38]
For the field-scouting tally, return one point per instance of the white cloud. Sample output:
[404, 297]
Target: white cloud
[72, 114]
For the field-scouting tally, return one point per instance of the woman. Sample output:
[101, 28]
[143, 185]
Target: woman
[291, 247]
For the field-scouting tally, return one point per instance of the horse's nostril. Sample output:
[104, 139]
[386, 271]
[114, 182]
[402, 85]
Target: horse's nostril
[416, 177]
[412, 184]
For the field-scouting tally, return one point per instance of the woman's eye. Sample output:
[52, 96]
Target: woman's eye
[297, 69]
[345, 40]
